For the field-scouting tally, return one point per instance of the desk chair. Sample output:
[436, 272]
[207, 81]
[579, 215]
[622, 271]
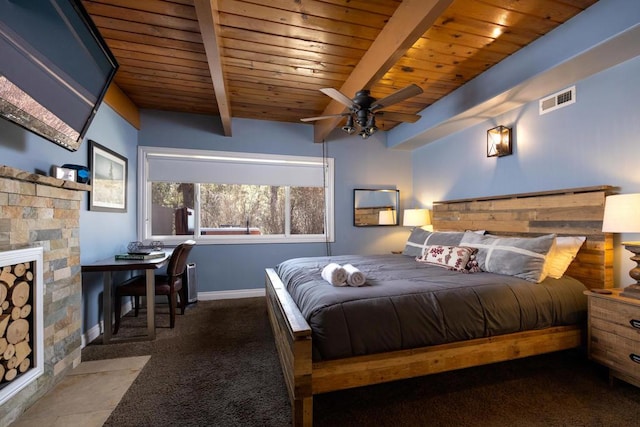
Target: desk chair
[167, 284]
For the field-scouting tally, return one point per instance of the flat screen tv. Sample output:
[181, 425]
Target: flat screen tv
[55, 68]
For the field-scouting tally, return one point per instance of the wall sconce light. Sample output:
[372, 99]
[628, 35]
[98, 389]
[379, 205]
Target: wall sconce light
[621, 216]
[499, 141]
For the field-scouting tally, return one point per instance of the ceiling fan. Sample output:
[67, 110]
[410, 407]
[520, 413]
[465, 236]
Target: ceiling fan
[363, 109]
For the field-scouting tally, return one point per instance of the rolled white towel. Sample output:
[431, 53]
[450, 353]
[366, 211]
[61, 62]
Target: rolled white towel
[334, 274]
[355, 277]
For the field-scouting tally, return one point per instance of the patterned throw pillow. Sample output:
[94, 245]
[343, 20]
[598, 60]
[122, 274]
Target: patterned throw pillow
[452, 257]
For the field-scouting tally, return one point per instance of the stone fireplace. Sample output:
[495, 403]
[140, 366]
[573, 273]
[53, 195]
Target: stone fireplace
[21, 322]
[37, 211]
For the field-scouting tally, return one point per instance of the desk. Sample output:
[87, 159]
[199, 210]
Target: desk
[108, 265]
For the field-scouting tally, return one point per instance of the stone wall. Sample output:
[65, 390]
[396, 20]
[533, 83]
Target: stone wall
[35, 209]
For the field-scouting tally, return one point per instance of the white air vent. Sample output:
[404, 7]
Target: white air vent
[558, 100]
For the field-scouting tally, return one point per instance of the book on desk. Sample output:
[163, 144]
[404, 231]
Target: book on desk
[140, 256]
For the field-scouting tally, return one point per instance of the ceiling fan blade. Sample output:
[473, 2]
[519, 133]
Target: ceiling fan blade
[398, 117]
[338, 96]
[330, 116]
[397, 96]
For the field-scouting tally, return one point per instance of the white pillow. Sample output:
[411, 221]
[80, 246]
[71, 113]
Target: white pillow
[561, 255]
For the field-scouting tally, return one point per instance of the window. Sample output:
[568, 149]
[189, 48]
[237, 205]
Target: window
[225, 197]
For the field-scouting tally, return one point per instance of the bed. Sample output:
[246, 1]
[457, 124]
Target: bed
[309, 367]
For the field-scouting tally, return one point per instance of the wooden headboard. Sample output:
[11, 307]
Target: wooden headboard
[568, 212]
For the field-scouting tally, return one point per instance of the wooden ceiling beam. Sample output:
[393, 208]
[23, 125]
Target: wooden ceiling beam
[208, 19]
[410, 21]
[122, 105]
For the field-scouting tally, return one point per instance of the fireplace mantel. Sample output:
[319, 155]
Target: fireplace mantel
[20, 175]
[45, 211]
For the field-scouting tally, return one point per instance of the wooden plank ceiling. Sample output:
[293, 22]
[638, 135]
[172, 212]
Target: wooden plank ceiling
[268, 61]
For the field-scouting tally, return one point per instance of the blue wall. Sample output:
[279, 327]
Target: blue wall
[104, 233]
[358, 164]
[27, 151]
[592, 142]
[101, 234]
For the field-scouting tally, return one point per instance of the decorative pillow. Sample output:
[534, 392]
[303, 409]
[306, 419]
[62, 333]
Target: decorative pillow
[561, 255]
[415, 243]
[420, 239]
[451, 257]
[472, 266]
[445, 238]
[522, 257]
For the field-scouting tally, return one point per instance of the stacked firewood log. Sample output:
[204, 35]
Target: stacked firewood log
[16, 282]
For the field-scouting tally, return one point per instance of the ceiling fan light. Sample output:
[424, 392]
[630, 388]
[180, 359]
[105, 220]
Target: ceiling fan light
[371, 125]
[363, 107]
[348, 127]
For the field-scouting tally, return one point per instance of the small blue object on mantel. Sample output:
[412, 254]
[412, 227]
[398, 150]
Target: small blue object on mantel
[82, 172]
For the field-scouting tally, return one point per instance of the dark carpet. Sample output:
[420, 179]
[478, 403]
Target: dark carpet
[219, 367]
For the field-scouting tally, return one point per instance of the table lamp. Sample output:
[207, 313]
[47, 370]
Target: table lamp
[387, 217]
[416, 218]
[622, 215]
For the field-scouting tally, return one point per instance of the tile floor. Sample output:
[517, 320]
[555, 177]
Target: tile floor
[86, 396]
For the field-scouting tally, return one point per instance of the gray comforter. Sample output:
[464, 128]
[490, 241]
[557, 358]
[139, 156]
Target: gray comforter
[408, 304]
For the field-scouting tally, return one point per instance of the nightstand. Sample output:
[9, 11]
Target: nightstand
[614, 334]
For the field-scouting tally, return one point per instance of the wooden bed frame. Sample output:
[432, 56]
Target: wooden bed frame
[577, 211]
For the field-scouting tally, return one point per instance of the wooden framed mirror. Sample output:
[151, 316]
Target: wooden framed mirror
[375, 207]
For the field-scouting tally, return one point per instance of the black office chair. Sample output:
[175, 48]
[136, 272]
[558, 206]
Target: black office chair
[166, 284]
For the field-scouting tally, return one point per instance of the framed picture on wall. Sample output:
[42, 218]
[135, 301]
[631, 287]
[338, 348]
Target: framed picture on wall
[108, 179]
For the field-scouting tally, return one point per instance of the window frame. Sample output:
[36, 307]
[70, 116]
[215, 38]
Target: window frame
[145, 199]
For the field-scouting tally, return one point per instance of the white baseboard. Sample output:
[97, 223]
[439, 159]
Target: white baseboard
[240, 293]
[91, 334]
[98, 329]
[95, 331]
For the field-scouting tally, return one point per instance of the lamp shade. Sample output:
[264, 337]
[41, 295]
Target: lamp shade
[416, 217]
[387, 217]
[622, 213]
